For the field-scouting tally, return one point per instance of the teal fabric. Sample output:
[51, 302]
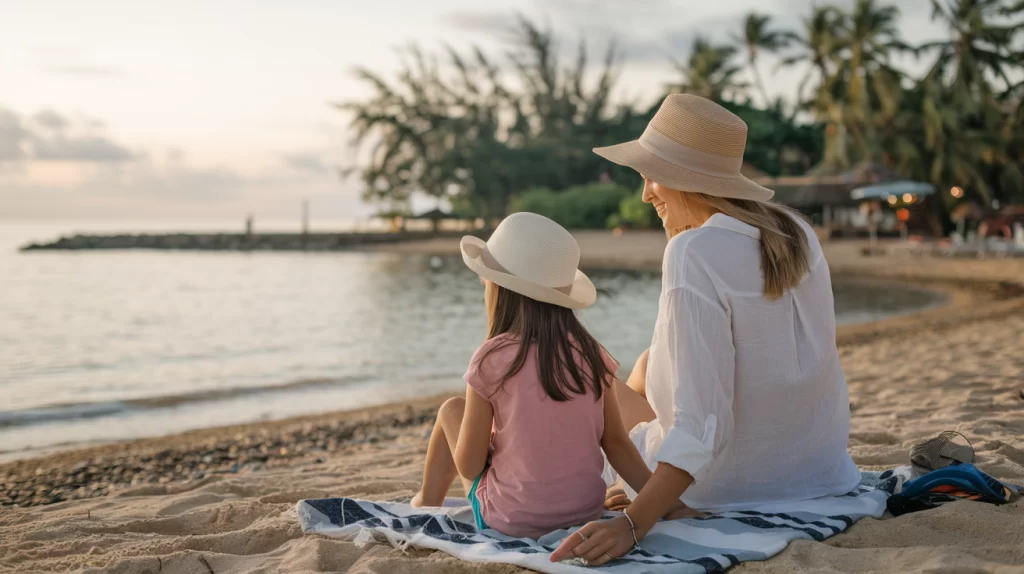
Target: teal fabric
[475, 503]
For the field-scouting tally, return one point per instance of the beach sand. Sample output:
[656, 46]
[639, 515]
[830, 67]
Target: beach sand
[221, 500]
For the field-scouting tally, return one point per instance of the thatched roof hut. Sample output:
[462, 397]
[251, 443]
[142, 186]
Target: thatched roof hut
[823, 185]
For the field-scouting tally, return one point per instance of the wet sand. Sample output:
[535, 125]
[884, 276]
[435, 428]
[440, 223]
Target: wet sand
[220, 499]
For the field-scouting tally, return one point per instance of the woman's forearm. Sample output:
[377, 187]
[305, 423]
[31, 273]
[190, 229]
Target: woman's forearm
[661, 492]
[626, 461]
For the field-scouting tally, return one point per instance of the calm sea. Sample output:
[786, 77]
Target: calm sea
[99, 346]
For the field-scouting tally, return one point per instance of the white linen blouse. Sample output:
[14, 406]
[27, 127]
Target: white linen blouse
[749, 394]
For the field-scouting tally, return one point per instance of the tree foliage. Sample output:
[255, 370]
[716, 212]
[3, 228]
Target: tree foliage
[578, 207]
[469, 134]
[478, 131]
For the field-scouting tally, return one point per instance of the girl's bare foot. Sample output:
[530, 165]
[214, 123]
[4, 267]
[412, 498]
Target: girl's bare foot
[417, 501]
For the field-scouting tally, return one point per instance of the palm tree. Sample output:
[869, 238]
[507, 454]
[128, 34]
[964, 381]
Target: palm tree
[978, 49]
[818, 46]
[757, 38]
[709, 72]
[970, 123]
[869, 36]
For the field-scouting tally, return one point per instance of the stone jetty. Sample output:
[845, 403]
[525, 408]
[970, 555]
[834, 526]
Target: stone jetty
[236, 241]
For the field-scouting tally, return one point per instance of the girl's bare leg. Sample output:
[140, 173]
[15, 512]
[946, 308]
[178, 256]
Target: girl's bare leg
[638, 376]
[632, 395]
[439, 470]
[634, 409]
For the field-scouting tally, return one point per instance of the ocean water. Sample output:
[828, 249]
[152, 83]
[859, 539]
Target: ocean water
[99, 346]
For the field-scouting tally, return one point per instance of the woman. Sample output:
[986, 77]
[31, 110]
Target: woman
[745, 398]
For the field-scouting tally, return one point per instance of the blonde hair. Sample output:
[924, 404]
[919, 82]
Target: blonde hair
[784, 247]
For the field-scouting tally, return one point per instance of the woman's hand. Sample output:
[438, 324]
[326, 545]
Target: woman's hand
[680, 510]
[597, 542]
[615, 499]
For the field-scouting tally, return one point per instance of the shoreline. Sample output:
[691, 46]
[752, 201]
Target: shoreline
[636, 252]
[224, 496]
[958, 301]
[967, 298]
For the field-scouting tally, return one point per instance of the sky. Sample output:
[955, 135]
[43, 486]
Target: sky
[200, 110]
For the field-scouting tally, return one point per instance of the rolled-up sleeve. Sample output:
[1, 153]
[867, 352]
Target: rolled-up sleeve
[696, 356]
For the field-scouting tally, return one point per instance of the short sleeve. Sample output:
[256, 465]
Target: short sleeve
[489, 364]
[697, 363]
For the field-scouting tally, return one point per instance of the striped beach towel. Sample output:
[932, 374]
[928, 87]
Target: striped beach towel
[692, 545]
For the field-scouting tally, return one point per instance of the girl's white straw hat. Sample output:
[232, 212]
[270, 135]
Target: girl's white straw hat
[533, 256]
[692, 144]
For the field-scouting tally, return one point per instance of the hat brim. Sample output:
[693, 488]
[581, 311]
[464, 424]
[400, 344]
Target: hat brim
[581, 294]
[632, 154]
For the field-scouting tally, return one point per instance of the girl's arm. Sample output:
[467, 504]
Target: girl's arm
[621, 452]
[474, 436]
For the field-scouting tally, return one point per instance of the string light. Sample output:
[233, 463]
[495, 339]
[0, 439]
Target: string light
[957, 192]
[907, 198]
[892, 200]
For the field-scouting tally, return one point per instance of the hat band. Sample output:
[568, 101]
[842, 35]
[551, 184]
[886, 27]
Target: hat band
[492, 263]
[686, 157]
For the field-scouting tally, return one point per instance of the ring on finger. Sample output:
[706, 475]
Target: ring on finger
[583, 536]
[608, 556]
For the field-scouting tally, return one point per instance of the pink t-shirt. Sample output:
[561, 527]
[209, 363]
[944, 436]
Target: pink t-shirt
[546, 461]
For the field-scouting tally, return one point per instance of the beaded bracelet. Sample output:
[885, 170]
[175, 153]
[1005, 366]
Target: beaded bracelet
[632, 528]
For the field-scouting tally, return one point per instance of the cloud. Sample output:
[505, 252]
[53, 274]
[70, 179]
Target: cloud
[83, 71]
[59, 165]
[653, 34]
[144, 177]
[84, 149]
[50, 136]
[306, 162]
[171, 181]
[657, 30]
[479, 21]
[12, 134]
[50, 119]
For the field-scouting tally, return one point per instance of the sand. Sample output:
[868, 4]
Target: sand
[959, 366]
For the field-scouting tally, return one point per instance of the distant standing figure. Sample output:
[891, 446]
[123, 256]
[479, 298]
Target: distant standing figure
[248, 224]
[740, 399]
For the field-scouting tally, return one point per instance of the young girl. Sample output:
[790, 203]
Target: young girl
[526, 441]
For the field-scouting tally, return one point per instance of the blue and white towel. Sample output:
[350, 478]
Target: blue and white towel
[692, 545]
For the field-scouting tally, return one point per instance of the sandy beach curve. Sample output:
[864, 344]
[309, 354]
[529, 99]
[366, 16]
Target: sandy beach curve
[220, 500]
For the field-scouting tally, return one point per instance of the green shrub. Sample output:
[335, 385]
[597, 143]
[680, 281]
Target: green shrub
[634, 213]
[579, 207]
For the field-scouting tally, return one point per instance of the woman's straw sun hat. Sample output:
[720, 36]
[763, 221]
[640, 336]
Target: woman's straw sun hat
[533, 256]
[692, 144]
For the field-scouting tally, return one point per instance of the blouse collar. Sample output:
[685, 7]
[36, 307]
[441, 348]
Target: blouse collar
[732, 224]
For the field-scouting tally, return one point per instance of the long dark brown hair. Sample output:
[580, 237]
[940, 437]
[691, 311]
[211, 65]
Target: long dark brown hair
[558, 336]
